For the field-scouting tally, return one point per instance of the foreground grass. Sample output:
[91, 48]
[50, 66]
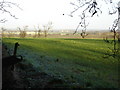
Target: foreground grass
[79, 61]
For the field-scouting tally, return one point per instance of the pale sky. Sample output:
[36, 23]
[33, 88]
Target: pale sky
[40, 12]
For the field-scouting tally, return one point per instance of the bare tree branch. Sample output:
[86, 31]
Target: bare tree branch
[3, 8]
[3, 20]
[92, 8]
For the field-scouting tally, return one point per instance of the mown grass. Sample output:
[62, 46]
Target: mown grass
[78, 61]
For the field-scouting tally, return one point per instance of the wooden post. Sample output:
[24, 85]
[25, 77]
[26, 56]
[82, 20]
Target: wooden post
[15, 49]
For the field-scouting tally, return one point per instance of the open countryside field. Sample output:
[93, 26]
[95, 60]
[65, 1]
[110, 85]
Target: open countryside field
[77, 61]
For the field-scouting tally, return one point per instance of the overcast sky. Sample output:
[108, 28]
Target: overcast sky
[40, 12]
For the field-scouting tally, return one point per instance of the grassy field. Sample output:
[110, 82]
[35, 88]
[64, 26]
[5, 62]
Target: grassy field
[79, 61]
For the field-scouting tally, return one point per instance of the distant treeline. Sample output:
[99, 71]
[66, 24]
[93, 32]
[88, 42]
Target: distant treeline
[65, 34]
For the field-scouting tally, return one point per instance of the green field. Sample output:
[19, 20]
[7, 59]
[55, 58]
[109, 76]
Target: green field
[79, 61]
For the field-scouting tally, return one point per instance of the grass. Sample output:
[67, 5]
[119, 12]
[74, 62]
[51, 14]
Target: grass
[78, 61]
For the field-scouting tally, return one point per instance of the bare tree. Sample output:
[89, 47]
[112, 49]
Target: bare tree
[116, 40]
[11, 34]
[5, 7]
[3, 31]
[34, 36]
[115, 51]
[23, 32]
[90, 8]
[47, 28]
[37, 31]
